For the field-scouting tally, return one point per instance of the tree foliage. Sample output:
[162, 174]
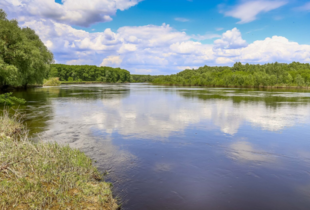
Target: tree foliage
[24, 59]
[271, 74]
[89, 73]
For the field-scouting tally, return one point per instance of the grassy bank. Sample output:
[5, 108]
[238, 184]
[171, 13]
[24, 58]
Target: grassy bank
[46, 175]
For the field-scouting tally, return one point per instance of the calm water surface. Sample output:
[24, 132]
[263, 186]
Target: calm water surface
[185, 147]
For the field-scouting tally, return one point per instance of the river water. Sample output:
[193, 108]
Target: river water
[184, 147]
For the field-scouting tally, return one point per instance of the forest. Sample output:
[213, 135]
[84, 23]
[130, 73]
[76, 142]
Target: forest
[89, 73]
[242, 75]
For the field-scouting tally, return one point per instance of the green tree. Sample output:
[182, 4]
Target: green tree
[24, 59]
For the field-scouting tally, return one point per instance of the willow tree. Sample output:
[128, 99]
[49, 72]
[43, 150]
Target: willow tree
[24, 59]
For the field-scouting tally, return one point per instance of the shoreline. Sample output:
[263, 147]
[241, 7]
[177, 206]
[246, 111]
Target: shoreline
[47, 175]
[230, 86]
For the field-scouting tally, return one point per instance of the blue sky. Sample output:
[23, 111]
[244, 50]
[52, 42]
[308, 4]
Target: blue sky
[204, 17]
[166, 36]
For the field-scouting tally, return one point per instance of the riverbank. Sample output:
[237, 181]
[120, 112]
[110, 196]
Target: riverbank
[47, 175]
[234, 86]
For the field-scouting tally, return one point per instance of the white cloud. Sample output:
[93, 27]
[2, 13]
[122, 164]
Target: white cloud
[161, 47]
[223, 60]
[127, 48]
[49, 44]
[181, 19]
[206, 36]
[77, 12]
[248, 10]
[231, 39]
[111, 61]
[219, 29]
[185, 47]
[273, 49]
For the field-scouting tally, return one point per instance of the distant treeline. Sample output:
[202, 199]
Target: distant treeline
[89, 73]
[274, 74]
[142, 78]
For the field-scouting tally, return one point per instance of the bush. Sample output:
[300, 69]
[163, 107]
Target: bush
[7, 99]
[52, 82]
[70, 79]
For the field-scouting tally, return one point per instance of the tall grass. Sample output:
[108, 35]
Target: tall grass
[46, 175]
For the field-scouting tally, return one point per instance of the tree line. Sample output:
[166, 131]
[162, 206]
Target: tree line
[24, 59]
[140, 78]
[242, 75]
[89, 73]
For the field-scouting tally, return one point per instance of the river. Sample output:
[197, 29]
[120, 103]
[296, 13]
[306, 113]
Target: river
[184, 147]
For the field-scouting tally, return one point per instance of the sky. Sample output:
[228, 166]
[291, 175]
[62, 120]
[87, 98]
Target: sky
[167, 36]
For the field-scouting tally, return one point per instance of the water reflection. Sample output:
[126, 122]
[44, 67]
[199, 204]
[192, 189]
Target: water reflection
[271, 111]
[244, 151]
[185, 147]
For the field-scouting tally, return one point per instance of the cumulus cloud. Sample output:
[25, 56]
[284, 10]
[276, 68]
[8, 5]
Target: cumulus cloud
[206, 36]
[160, 48]
[272, 49]
[231, 39]
[111, 61]
[223, 60]
[77, 12]
[185, 47]
[247, 11]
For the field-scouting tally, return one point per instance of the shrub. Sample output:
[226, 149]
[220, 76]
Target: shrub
[52, 82]
[8, 99]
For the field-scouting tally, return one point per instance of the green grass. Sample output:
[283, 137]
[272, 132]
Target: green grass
[46, 175]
